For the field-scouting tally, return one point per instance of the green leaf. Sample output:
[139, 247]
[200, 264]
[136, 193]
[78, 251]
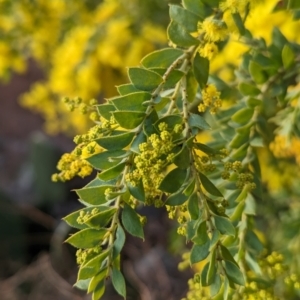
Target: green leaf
[171, 79]
[185, 18]
[137, 191]
[190, 187]
[204, 148]
[82, 284]
[115, 142]
[216, 285]
[226, 255]
[144, 79]
[126, 89]
[149, 128]
[173, 181]
[248, 89]
[179, 36]
[197, 7]
[191, 86]
[198, 122]
[257, 72]
[234, 273]
[131, 102]
[201, 69]
[288, 56]
[201, 236]
[224, 226]
[182, 158]
[211, 272]
[101, 219]
[161, 58]
[176, 199]
[119, 242]
[199, 252]
[93, 266]
[113, 172]
[98, 291]
[86, 238]
[209, 186]
[239, 140]
[96, 280]
[214, 239]
[203, 278]
[129, 119]
[106, 159]
[253, 243]
[239, 23]
[243, 115]
[238, 211]
[253, 264]
[93, 195]
[105, 110]
[293, 4]
[131, 222]
[118, 282]
[193, 206]
[278, 39]
[71, 219]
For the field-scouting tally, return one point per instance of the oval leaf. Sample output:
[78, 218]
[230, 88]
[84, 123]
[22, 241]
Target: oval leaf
[234, 273]
[201, 69]
[144, 79]
[118, 282]
[209, 186]
[131, 222]
[86, 238]
[173, 181]
[224, 226]
[199, 252]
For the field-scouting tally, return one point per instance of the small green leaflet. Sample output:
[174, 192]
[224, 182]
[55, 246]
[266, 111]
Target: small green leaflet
[199, 252]
[132, 102]
[131, 222]
[179, 36]
[97, 279]
[173, 180]
[198, 122]
[115, 142]
[234, 273]
[161, 58]
[129, 119]
[86, 238]
[144, 79]
[119, 242]
[118, 282]
[224, 225]
[209, 186]
[201, 70]
[184, 17]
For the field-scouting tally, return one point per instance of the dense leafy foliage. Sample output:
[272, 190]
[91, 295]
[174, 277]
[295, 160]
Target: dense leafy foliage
[182, 137]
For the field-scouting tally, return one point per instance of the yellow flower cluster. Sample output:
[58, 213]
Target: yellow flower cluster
[83, 255]
[213, 30]
[71, 165]
[284, 148]
[150, 163]
[84, 216]
[293, 281]
[85, 58]
[195, 291]
[209, 50]
[210, 98]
